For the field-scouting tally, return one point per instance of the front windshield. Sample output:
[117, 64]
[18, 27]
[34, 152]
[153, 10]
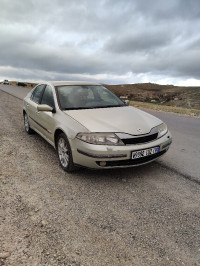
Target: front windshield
[86, 97]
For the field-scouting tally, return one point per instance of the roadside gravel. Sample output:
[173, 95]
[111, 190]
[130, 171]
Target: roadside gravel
[139, 216]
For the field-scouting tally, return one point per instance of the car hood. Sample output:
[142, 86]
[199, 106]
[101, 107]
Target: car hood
[115, 119]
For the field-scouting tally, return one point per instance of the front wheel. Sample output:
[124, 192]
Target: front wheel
[65, 153]
[28, 129]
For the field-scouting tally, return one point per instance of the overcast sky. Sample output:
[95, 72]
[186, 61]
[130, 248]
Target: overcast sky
[110, 41]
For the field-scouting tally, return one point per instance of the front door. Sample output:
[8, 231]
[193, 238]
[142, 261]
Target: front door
[46, 119]
[31, 106]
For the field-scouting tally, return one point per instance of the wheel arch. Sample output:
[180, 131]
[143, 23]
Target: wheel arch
[70, 167]
[56, 134]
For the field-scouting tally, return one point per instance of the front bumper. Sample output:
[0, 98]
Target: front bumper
[104, 156]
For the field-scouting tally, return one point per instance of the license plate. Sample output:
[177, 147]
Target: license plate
[144, 153]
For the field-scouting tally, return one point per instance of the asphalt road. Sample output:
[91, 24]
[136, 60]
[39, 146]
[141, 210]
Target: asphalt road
[148, 215]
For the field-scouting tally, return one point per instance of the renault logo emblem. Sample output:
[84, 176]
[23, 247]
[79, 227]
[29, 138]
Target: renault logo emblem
[139, 130]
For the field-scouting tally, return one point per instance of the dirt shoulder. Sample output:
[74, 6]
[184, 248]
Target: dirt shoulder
[142, 216]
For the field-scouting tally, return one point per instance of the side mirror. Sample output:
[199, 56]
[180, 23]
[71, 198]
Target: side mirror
[44, 107]
[127, 102]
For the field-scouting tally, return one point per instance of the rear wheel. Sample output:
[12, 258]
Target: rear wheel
[65, 153]
[27, 125]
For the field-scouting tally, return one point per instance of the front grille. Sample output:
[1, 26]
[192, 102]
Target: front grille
[133, 161]
[140, 139]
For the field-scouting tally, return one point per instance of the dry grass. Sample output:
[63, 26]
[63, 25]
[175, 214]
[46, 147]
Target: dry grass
[165, 108]
[185, 97]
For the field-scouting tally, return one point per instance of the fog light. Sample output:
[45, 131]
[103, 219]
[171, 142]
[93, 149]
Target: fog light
[102, 163]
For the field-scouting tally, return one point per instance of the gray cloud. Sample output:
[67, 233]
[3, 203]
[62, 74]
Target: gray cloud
[145, 41]
[105, 39]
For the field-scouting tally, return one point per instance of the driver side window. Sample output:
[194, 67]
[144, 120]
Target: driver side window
[37, 93]
[47, 97]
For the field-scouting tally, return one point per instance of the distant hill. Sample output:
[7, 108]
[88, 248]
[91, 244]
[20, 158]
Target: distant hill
[187, 97]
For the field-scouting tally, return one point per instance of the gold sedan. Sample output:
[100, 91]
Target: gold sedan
[90, 126]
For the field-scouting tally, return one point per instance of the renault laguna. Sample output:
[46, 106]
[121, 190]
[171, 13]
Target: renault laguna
[90, 126]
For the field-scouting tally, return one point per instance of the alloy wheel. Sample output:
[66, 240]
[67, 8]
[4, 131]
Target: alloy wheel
[63, 152]
[26, 123]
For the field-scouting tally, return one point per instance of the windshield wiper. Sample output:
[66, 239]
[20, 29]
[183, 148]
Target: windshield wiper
[75, 108]
[108, 106]
[92, 107]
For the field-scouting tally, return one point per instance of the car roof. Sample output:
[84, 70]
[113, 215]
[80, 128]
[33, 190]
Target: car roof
[61, 83]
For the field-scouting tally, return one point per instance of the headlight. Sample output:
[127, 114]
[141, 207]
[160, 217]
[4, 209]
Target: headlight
[100, 138]
[162, 130]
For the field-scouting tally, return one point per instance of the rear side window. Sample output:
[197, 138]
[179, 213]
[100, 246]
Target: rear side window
[47, 97]
[37, 93]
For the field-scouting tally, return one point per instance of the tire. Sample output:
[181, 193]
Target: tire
[64, 153]
[28, 129]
